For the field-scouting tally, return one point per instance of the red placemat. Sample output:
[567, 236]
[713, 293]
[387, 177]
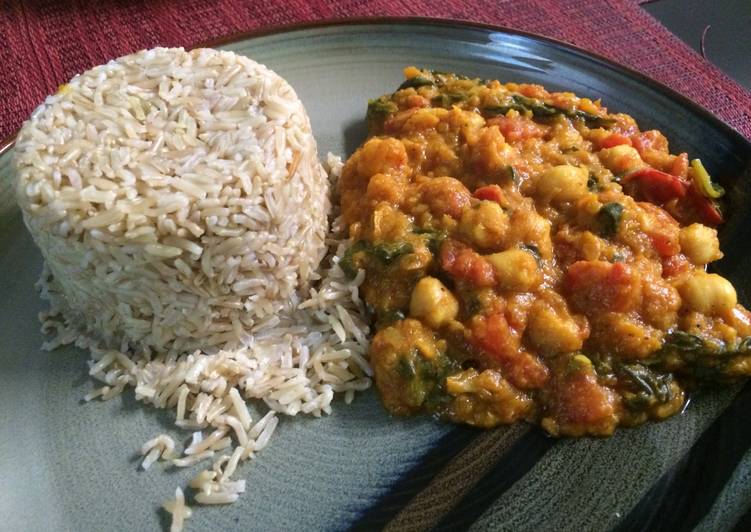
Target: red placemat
[44, 43]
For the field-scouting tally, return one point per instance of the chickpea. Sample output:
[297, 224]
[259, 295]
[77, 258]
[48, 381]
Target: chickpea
[528, 227]
[485, 225]
[620, 159]
[432, 302]
[563, 183]
[699, 243]
[551, 331]
[708, 293]
[382, 156]
[517, 270]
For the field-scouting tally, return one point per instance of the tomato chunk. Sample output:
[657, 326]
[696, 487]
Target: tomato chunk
[597, 286]
[655, 186]
[517, 127]
[580, 405]
[494, 336]
[462, 262]
[614, 139]
[661, 228]
[705, 207]
[650, 140]
[674, 265]
[490, 193]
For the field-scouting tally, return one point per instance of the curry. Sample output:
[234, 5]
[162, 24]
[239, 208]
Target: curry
[531, 256]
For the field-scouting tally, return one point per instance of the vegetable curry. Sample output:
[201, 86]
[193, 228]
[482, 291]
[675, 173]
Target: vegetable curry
[530, 256]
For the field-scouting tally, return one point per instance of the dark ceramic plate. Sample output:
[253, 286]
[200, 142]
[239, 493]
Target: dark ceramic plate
[69, 466]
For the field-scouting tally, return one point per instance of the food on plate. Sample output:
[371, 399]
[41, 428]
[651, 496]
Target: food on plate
[182, 212]
[177, 198]
[531, 256]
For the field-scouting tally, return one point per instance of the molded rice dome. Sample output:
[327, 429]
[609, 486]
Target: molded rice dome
[176, 196]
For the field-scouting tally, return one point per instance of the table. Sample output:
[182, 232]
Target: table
[727, 43]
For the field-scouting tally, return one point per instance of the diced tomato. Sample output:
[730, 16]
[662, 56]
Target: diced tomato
[579, 400]
[664, 245]
[655, 186]
[614, 139]
[517, 127]
[649, 140]
[679, 168]
[674, 265]
[661, 228]
[462, 262]
[490, 193]
[705, 207]
[596, 286]
[493, 335]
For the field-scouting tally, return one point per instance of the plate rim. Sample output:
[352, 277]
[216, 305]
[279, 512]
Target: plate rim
[280, 29]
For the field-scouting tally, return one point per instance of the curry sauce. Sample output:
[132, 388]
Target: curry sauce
[530, 256]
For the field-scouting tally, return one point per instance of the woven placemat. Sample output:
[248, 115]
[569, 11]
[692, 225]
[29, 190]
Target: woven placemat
[46, 42]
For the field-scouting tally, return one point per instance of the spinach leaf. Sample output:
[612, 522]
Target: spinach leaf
[645, 387]
[532, 250]
[387, 318]
[424, 385]
[378, 110]
[608, 218]
[591, 120]
[415, 82]
[447, 99]
[388, 252]
[433, 239]
[385, 252]
[684, 342]
[701, 359]
[542, 110]
[347, 264]
[449, 74]
[380, 106]
[593, 184]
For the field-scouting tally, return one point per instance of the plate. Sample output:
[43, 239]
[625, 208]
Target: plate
[72, 466]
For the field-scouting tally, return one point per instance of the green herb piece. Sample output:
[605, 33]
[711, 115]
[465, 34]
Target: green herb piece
[590, 119]
[347, 264]
[415, 82]
[512, 174]
[608, 218]
[380, 107]
[406, 368]
[500, 110]
[389, 317]
[542, 110]
[684, 342]
[705, 360]
[388, 252]
[448, 99]
[645, 387]
[703, 181]
[433, 238]
[378, 110]
[593, 184]
[538, 109]
[449, 74]
[532, 250]
[424, 385]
